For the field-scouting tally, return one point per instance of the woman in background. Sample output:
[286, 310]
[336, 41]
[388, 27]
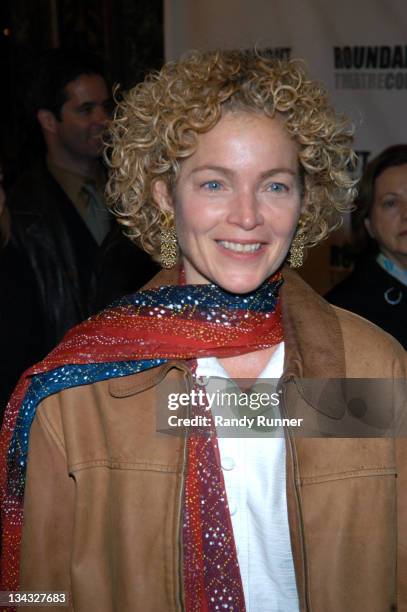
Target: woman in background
[377, 287]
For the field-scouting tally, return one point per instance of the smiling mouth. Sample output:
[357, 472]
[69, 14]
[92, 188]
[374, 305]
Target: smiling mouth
[238, 247]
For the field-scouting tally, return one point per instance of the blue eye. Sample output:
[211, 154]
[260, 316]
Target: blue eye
[212, 185]
[277, 187]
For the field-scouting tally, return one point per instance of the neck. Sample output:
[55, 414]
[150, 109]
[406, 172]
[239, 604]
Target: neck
[83, 166]
[249, 365]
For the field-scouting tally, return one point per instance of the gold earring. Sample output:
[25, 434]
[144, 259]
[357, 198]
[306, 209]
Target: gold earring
[169, 247]
[296, 253]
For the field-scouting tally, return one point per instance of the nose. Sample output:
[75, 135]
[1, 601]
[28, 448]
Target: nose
[245, 211]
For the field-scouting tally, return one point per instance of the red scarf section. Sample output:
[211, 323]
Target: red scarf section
[147, 327]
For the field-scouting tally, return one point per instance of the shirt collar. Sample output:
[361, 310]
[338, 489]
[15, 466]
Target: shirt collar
[392, 268]
[72, 183]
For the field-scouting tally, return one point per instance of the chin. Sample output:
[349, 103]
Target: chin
[240, 285]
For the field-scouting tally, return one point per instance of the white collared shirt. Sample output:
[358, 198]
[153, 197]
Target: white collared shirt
[254, 471]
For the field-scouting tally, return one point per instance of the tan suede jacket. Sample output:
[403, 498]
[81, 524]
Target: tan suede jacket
[104, 491]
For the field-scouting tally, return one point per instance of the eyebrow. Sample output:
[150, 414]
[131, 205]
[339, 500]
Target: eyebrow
[86, 104]
[386, 194]
[229, 172]
[95, 103]
[395, 190]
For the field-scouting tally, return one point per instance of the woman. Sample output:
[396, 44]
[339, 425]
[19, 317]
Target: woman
[223, 165]
[376, 288]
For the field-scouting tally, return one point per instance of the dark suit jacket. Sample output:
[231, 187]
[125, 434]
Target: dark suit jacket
[56, 268]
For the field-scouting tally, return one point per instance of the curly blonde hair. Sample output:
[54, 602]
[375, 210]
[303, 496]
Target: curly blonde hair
[156, 125]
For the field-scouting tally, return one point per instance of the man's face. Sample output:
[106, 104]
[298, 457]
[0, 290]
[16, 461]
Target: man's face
[84, 116]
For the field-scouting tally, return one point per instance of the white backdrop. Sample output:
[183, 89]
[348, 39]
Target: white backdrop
[357, 48]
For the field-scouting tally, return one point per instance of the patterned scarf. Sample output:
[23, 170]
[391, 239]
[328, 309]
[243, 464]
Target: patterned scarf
[139, 332]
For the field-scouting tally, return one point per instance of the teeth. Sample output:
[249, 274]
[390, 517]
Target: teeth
[240, 248]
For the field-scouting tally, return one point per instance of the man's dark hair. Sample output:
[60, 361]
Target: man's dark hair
[57, 68]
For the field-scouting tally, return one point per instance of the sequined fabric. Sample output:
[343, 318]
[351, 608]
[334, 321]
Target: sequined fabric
[138, 332]
[212, 578]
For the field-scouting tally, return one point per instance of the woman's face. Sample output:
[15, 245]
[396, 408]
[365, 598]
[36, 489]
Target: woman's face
[237, 202]
[387, 222]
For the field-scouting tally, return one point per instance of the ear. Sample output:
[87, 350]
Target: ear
[369, 228]
[162, 196]
[47, 120]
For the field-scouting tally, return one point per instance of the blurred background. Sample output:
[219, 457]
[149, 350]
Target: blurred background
[128, 34]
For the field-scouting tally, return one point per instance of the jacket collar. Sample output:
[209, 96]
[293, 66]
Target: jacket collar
[313, 339]
[314, 347]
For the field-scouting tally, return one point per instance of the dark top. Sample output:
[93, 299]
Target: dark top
[54, 274]
[21, 322]
[375, 295]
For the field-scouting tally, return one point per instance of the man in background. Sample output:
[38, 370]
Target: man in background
[76, 259]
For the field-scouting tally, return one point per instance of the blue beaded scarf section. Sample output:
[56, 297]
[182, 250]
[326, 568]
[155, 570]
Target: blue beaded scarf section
[215, 304]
